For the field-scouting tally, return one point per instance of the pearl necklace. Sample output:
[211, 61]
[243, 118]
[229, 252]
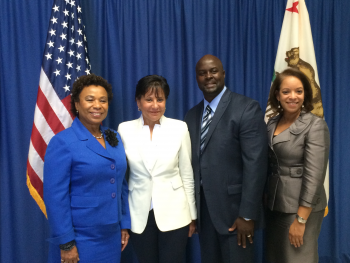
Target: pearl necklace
[100, 136]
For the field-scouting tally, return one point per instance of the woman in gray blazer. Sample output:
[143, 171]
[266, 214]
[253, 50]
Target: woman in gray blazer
[298, 157]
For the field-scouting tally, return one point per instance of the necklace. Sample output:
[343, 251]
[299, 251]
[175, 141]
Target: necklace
[98, 137]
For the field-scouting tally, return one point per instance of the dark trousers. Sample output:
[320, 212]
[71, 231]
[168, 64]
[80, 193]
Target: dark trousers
[216, 248]
[155, 246]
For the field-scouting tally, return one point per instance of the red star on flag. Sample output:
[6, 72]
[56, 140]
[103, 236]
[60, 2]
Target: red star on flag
[293, 8]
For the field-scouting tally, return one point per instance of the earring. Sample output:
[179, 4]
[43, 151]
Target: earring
[77, 111]
[302, 105]
[279, 104]
[138, 109]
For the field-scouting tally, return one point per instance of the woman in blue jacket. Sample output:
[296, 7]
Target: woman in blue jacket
[85, 192]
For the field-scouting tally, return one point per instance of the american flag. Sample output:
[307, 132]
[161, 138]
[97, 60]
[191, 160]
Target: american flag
[65, 59]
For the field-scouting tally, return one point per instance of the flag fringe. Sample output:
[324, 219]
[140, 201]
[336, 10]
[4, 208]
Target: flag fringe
[33, 192]
[326, 211]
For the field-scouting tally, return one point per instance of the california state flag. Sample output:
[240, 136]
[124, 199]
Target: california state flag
[296, 50]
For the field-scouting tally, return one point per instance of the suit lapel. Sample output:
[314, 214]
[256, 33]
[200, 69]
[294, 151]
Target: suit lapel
[109, 148]
[224, 101]
[301, 123]
[198, 127]
[282, 137]
[141, 142]
[296, 128]
[271, 129]
[91, 143]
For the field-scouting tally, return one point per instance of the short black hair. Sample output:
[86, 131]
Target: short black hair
[153, 82]
[275, 87]
[85, 81]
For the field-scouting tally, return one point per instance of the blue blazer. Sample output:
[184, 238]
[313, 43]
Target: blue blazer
[84, 184]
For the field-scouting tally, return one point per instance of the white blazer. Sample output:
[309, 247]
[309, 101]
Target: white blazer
[169, 183]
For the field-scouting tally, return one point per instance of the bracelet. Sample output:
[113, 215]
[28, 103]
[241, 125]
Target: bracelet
[68, 246]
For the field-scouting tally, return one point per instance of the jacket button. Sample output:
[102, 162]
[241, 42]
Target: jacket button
[112, 166]
[112, 180]
[113, 195]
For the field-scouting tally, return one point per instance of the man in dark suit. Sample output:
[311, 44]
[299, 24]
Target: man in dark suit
[229, 159]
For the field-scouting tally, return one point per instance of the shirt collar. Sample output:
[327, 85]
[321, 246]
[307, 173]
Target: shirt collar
[160, 121]
[215, 102]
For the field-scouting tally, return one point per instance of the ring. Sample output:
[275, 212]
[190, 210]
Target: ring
[249, 235]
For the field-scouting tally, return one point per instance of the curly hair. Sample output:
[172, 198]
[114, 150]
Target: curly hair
[275, 87]
[85, 81]
[153, 82]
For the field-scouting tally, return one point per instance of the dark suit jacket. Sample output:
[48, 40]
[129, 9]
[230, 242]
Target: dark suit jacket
[233, 165]
[298, 160]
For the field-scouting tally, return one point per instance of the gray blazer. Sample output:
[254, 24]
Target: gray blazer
[298, 159]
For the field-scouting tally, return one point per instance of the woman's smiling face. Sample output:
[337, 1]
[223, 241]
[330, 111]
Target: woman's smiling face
[92, 105]
[291, 94]
[152, 105]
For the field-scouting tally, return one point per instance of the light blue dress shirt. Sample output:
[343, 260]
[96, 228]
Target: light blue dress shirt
[213, 104]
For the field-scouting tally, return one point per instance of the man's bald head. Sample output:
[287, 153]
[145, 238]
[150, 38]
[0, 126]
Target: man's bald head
[209, 57]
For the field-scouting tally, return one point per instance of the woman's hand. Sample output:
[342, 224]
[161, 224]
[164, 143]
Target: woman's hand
[296, 233]
[70, 256]
[192, 228]
[125, 238]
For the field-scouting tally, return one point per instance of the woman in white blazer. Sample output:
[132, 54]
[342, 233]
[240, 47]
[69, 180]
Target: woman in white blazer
[161, 184]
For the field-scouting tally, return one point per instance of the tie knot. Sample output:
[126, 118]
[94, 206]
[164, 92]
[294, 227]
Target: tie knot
[208, 109]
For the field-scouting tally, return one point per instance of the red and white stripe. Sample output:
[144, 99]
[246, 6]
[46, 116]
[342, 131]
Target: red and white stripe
[51, 116]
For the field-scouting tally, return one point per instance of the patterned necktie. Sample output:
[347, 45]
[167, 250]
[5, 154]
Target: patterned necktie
[205, 125]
